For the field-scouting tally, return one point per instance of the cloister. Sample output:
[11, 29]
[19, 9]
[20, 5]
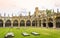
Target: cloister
[36, 20]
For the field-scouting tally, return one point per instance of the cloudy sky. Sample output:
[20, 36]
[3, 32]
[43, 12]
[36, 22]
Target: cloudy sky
[18, 6]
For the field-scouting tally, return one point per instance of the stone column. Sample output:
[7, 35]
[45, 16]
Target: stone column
[25, 23]
[12, 24]
[31, 23]
[46, 23]
[4, 24]
[37, 23]
[18, 23]
[54, 23]
[41, 23]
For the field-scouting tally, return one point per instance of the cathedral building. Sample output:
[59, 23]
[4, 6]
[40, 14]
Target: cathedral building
[40, 18]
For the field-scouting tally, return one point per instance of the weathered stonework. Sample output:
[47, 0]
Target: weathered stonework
[38, 19]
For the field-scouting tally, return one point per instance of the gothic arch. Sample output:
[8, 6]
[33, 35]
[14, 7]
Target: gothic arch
[28, 23]
[15, 23]
[44, 22]
[50, 24]
[1, 23]
[22, 23]
[34, 23]
[57, 22]
[8, 23]
[50, 20]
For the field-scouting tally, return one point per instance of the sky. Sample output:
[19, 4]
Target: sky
[17, 7]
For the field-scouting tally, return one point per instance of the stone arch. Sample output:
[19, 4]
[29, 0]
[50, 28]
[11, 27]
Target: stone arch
[34, 23]
[22, 23]
[50, 24]
[8, 23]
[28, 23]
[15, 23]
[50, 19]
[44, 22]
[58, 22]
[1, 23]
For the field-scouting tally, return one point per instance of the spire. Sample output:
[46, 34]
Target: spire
[53, 10]
[0, 14]
[8, 15]
[12, 14]
[4, 14]
[57, 10]
[29, 15]
[36, 9]
[20, 15]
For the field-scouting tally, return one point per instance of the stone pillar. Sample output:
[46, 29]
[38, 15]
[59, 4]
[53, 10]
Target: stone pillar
[31, 23]
[4, 24]
[54, 23]
[37, 23]
[25, 23]
[41, 23]
[46, 23]
[12, 24]
[19, 24]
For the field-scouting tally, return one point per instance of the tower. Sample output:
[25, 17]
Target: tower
[8, 16]
[29, 15]
[4, 14]
[36, 12]
[57, 10]
[53, 10]
[12, 14]
[20, 15]
[0, 14]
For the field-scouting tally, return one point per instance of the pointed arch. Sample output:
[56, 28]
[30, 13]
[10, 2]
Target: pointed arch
[34, 23]
[50, 24]
[57, 22]
[1, 23]
[22, 23]
[28, 23]
[15, 23]
[8, 23]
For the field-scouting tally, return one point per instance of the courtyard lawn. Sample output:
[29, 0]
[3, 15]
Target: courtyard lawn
[44, 32]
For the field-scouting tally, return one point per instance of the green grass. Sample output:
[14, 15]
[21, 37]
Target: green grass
[44, 32]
